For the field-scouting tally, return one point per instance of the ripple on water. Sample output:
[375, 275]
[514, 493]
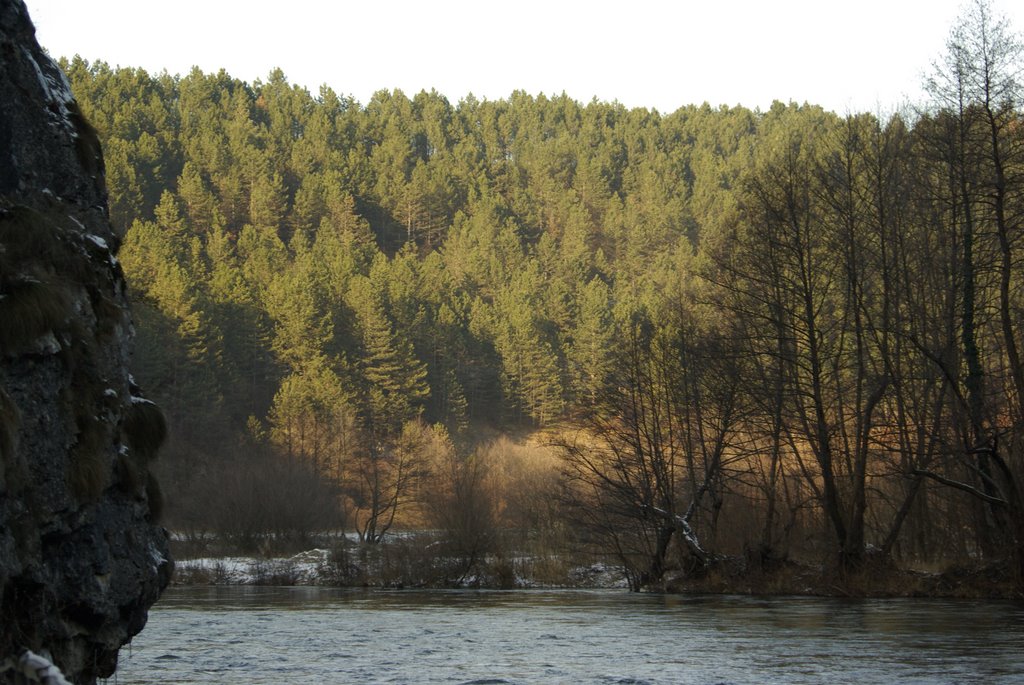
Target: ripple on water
[570, 637]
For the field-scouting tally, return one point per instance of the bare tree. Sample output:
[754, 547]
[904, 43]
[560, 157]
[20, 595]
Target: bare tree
[382, 478]
[652, 453]
[978, 95]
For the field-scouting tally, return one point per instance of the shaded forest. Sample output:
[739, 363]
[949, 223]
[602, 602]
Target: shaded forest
[763, 335]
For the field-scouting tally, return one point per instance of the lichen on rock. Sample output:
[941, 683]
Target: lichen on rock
[82, 556]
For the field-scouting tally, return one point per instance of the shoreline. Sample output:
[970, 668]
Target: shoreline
[318, 568]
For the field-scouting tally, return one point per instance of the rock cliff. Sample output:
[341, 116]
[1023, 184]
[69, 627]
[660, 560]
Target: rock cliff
[82, 556]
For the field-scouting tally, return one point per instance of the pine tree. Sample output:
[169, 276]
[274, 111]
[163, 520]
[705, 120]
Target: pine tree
[589, 353]
[395, 380]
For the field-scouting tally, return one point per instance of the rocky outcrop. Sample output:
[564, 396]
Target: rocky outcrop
[82, 556]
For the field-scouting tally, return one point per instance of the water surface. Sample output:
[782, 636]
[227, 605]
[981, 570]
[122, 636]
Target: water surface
[319, 635]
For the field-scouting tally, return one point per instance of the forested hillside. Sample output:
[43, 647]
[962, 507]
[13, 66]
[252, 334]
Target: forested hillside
[773, 332]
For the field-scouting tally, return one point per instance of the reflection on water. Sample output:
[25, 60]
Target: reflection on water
[298, 635]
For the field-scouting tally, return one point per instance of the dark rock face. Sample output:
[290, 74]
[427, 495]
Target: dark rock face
[82, 557]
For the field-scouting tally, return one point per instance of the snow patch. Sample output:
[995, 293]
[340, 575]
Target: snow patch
[313, 556]
[156, 557]
[35, 668]
[305, 568]
[98, 241]
[599, 575]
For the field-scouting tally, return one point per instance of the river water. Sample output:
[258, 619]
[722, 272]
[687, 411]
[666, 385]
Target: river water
[319, 635]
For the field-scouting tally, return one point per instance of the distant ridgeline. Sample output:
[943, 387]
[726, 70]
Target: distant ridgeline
[82, 557]
[813, 313]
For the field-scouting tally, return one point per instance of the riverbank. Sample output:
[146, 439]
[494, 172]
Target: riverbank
[378, 568]
[324, 568]
[875, 579]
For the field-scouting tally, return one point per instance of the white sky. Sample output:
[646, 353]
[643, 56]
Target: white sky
[846, 56]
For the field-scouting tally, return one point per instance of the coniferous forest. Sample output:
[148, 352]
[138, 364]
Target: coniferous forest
[535, 327]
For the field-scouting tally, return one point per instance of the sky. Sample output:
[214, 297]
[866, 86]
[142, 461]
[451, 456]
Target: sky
[868, 55]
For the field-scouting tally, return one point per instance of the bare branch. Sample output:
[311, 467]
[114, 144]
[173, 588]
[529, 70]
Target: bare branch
[969, 489]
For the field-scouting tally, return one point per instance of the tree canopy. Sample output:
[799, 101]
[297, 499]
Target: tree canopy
[818, 313]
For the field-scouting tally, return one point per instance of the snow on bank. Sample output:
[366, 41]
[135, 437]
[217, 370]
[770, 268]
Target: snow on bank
[317, 567]
[598, 575]
[306, 568]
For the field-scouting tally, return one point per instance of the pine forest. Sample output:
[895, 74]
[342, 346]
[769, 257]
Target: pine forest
[537, 330]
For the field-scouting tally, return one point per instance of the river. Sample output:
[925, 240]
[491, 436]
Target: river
[318, 635]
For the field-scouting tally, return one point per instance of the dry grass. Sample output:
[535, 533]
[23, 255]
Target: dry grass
[91, 463]
[30, 308]
[875, 578]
